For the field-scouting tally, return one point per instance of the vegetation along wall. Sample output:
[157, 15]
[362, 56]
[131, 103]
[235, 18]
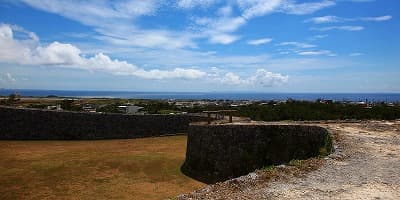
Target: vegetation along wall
[34, 124]
[220, 152]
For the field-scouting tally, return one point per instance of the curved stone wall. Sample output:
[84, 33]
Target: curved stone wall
[220, 152]
[34, 124]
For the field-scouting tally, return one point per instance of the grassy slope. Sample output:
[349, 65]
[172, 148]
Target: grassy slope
[109, 169]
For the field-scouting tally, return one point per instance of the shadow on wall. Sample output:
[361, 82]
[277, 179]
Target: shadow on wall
[221, 152]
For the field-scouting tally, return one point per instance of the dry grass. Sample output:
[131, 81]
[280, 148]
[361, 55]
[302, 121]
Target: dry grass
[146, 168]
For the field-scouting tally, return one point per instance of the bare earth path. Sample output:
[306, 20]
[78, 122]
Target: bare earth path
[366, 165]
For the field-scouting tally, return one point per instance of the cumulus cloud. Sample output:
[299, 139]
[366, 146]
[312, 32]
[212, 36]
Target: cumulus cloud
[69, 56]
[267, 79]
[262, 78]
[57, 54]
[259, 41]
[336, 19]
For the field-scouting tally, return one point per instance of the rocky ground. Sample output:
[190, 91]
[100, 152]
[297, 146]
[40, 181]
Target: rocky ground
[365, 165]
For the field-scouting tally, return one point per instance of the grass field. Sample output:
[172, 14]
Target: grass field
[147, 168]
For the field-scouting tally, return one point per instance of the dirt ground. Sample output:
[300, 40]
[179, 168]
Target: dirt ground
[365, 165]
[147, 168]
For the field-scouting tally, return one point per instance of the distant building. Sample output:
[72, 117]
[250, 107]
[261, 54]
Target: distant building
[89, 108]
[130, 109]
[56, 107]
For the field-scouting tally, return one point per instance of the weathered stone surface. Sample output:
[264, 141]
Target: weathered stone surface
[220, 152]
[34, 124]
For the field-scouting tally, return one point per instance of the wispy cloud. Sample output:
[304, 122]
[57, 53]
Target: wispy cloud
[304, 49]
[219, 29]
[7, 77]
[316, 53]
[317, 37]
[341, 28]
[356, 54]
[376, 19]
[296, 44]
[115, 21]
[259, 41]
[189, 4]
[336, 19]
[305, 8]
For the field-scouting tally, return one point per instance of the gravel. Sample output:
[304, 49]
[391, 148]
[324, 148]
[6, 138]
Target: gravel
[365, 165]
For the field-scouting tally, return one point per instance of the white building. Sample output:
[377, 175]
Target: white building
[130, 109]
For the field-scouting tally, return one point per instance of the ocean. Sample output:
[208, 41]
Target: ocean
[374, 97]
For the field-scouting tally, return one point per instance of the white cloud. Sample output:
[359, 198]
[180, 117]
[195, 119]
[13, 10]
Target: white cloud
[377, 19]
[69, 56]
[7, 77]
[188, 4]
[116, 21]
[259, 41]
[219, 28]
[297, 45]
[256, 8]
[58, 54]
[341, 28]
[147, 38]
[360, 1]
[356, 54]
[317, 37]
[324, 19]
[335, 19]
[232, 79]
[218, 38]
[267, 79]
[316, 53]
[96, 12]
[305, 8]
[262, 78]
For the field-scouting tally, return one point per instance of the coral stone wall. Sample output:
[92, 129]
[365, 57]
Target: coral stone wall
[34, 124]
[220, 152]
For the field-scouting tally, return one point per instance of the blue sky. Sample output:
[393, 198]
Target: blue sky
[200, 46]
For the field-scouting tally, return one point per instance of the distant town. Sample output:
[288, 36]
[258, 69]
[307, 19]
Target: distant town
[267, 110]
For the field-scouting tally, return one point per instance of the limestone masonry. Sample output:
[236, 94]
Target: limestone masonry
[220, 152]
[35, 124]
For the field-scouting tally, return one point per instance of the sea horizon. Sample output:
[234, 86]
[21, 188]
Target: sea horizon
[214, 95]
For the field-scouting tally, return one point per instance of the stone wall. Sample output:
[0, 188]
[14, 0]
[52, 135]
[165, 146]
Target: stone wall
[34, 124]
[220, 152]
